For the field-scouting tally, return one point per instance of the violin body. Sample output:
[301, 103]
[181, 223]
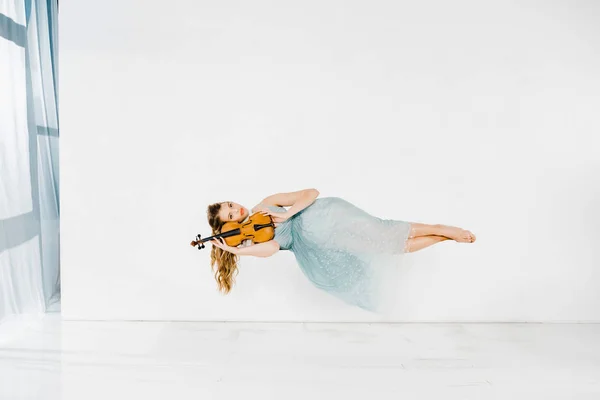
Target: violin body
[258, 227]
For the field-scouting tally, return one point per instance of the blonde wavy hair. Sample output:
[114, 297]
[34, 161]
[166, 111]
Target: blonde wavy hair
[223, 263]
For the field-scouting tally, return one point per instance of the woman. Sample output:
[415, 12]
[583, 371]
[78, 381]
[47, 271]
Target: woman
[340, 248]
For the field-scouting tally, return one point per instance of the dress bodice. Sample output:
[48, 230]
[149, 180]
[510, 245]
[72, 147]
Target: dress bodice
[283, 230]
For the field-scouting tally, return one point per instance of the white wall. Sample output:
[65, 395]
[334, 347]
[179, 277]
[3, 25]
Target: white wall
[481, 116]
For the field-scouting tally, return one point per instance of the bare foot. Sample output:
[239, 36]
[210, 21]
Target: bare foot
[466, 236]
[458, 234]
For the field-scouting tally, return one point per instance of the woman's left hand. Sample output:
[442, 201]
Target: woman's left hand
[277, 217]
[220, 243]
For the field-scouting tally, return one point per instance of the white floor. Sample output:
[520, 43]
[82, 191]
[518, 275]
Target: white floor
[46, 358]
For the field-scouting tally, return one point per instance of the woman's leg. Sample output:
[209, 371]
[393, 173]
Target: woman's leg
[421, 242]
[451, 232]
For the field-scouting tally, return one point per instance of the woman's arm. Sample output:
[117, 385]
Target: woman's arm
[297, 200]
[265, 249]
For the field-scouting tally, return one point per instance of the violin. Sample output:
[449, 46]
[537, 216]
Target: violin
[258, 227]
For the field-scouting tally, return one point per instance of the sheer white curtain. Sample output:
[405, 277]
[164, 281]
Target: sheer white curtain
[29, 139]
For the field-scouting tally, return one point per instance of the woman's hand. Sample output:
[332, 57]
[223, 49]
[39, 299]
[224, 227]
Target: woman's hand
[277, 217]
[220, 243]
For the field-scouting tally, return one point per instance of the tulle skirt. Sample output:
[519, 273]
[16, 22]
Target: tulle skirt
[349, 253]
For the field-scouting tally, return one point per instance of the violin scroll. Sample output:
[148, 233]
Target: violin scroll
[198, 242]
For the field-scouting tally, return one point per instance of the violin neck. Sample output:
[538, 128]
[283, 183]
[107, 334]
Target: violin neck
[223, 235]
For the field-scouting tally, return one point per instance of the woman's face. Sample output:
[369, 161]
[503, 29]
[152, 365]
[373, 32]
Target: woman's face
[231, 211]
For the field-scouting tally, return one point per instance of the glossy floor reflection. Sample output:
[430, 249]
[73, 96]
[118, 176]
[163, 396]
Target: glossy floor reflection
[47, 358]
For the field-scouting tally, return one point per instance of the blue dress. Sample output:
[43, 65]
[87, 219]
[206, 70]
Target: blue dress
[345, 251]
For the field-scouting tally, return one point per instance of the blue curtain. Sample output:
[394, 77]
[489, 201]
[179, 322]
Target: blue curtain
[29, 144]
